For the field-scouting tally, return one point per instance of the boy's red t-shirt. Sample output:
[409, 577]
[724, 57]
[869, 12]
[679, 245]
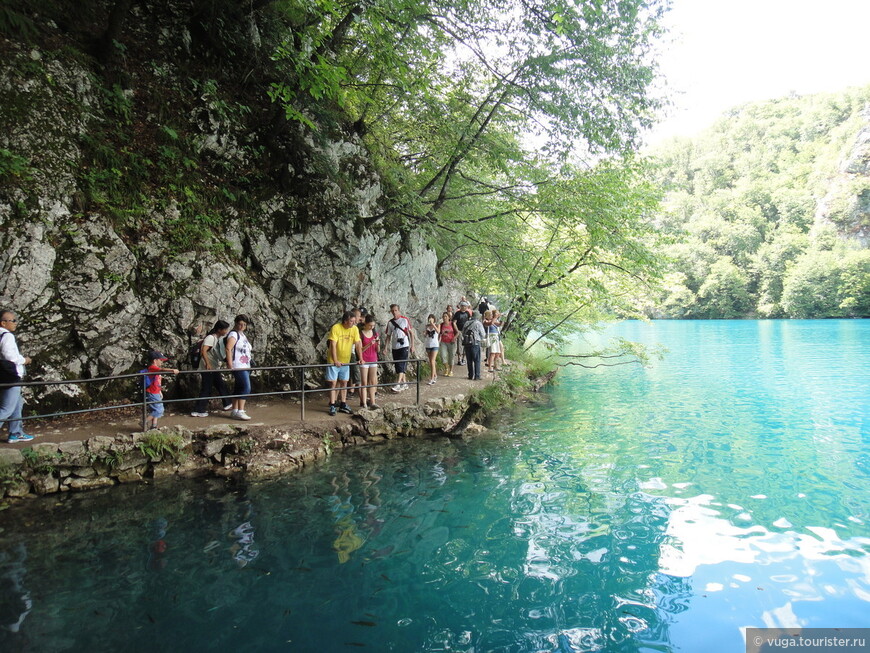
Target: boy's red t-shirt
[155, 387]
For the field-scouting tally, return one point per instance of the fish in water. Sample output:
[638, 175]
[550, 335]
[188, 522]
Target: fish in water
[383, 551]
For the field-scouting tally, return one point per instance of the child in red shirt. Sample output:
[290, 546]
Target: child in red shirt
[154, 388]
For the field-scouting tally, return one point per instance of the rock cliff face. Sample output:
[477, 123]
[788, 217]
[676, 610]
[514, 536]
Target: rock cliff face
[847, 203]
[97, 286]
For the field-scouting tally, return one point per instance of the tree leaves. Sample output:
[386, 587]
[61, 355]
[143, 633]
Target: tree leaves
[478, 113]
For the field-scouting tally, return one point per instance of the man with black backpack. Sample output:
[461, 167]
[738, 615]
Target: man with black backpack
[400, 335]
[460, 318]
[11, 370]
[472, 335]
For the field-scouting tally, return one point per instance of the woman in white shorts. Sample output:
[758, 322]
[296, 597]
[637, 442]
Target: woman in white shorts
[431, 338]
[493, 342]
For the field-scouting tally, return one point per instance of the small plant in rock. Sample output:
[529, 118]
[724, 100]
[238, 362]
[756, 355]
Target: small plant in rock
[246, 446]
[41, 463]
[9, 476]
[13, 166]
[328, 443]
[492, 396]
[112, 459]
[156, 445]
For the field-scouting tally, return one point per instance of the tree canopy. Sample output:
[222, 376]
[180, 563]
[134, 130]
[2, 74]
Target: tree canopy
[506, 127]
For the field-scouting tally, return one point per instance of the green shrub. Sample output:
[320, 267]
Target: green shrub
[9, 475]
[157, 444]
[535, 363]
[14, 166]
[41, 463]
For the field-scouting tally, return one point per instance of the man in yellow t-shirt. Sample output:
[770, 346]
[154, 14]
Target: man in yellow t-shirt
[342, 340]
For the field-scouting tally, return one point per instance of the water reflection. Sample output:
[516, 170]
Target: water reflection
[630, 513]
[426, 546]
[15, 601]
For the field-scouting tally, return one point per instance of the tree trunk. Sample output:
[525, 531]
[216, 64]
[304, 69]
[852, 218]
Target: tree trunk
[470, 413]
[107, 53]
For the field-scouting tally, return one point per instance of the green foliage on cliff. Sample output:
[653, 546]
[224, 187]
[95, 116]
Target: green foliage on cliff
[742, 203]
[504, 128]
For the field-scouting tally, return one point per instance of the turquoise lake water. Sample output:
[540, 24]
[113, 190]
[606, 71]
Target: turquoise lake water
[658, 509]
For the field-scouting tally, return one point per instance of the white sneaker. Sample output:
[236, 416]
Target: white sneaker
[199, 414]
[396, 388]
[431, 382]
[242, 415]
[228, 407]
[404, 387]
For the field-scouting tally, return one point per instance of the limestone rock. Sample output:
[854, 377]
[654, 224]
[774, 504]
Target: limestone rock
[10, 457]
[130, 476]
[44, 449]
[213, 447]
[71, 449]
[75, 483]
[165, 470]
[132, 459]
[100, 443]
[18, 489]
[45, 484]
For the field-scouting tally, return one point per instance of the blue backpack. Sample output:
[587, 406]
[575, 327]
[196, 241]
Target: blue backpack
[147, 379]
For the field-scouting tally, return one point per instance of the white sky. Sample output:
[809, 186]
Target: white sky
[726, 53]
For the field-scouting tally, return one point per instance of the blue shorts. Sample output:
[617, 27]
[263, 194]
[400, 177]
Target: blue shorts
[155, 405]
[338, 372]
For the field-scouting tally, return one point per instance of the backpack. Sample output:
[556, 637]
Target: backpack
[194, 354]
[461, 318]
[8, 369]
[147, 379]
[468, 335]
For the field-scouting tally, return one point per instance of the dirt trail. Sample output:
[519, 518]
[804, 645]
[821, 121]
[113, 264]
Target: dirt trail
[264, 411]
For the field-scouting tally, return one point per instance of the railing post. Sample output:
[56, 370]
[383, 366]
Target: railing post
[144, 402]
[418, 381]
[302, 386]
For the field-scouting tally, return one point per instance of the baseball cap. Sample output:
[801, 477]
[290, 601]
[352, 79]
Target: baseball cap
[156, 355]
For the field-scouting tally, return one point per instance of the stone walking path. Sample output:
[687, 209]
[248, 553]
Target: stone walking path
[264, 411]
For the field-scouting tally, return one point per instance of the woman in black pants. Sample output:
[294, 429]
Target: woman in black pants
[211, 358]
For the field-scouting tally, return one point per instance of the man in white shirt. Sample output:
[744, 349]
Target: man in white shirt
[400, 335]
[11, 401]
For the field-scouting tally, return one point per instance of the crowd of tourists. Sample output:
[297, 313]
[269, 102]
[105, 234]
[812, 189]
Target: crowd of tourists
[355, 348]
[354, 351]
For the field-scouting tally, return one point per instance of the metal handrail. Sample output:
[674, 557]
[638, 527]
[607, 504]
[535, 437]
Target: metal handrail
[143, 404]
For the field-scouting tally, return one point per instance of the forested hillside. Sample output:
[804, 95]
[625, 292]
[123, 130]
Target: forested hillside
[768, 212]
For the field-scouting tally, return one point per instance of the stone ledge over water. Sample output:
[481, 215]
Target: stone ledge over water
[239, 450]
